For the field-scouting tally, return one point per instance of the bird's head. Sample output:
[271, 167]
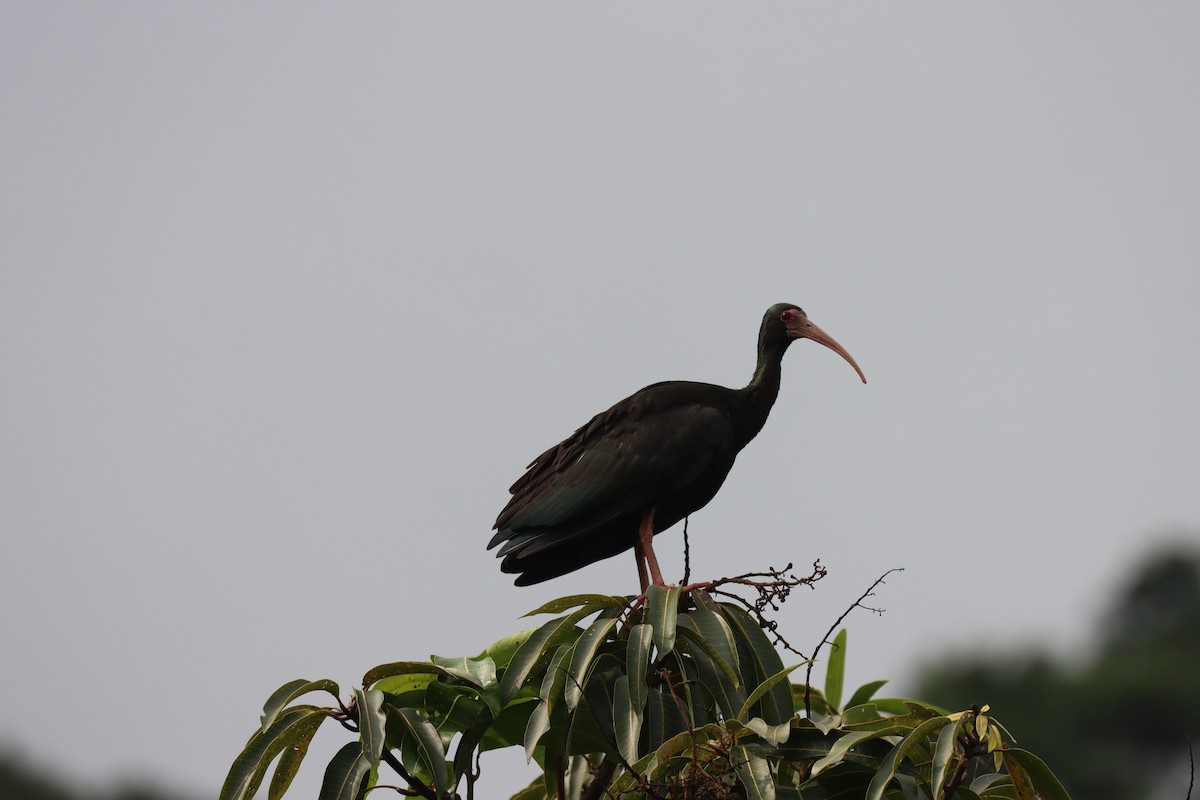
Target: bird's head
[789, 322]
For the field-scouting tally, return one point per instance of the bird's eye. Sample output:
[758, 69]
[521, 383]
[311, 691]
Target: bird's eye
[789, 316]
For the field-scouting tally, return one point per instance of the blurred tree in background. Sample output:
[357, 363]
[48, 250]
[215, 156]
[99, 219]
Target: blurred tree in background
[1112, 725]
[22, 780]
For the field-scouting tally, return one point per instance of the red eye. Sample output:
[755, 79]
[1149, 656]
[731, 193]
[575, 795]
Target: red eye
[789, 316]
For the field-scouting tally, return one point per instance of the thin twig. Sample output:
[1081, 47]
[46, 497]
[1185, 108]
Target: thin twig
[1192, 767]
[772, 588]
[825, 640]
[687, 555]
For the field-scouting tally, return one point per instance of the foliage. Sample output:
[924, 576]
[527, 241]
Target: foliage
[682, 697]
[1132, 701]
[22, 780]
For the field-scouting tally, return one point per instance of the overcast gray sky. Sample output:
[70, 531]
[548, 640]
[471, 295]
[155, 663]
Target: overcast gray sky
[290, 294]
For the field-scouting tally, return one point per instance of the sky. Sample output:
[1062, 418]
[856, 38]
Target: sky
[290, 293]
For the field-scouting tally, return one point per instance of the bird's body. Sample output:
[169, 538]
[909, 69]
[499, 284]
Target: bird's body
[641, 466]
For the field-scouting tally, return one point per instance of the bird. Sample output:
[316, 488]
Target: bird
[641, 466]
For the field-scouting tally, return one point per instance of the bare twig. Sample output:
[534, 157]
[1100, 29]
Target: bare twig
[687, 555]
[870, 592]
[772, 589]
[1191, 767]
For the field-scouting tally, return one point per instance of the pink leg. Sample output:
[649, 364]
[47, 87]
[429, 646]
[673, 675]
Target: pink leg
[646, 540]
[643, 581]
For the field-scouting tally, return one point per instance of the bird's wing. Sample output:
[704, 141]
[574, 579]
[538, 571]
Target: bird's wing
[622, 460]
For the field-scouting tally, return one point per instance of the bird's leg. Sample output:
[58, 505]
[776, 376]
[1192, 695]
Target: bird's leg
[646, 540]
[643, 581]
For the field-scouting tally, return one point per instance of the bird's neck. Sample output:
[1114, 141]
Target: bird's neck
[759, 395]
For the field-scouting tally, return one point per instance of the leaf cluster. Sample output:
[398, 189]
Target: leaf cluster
[685, 697]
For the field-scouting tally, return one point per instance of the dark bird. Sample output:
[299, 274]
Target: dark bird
[642, 465]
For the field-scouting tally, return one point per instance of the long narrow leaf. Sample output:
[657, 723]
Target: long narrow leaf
[534, 650]
[759, 661]
[695, 639]
[477, 672]
[637, 658]
[399, 668]
[662, 612]
[595, 601]
[919, 737]
[285, 694]
[942, 753]
[250, 766]
[1044, 781]
[713, 627]
[371, 720]
[835, 671]
[429, 744]
[345, 774]
[581, 658]
[539, 723]
[627, 720]
[765, 687]
[292, 755]
[864, 693]
[755, 774]
[839, 749]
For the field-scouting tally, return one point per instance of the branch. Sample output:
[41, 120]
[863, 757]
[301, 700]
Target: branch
[772, 588]
[870, 592]
[418, 788]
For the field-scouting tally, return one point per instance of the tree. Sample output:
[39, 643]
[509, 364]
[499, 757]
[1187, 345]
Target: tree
[684, 697]
[1114, 725]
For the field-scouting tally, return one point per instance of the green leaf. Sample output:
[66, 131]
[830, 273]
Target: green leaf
[637, 658]
[539, 723]
[407, 690]
[345, 774]
[773, 735]
[502, 651]
[451, 708]
[839, 749]
[289, 692]
[942, 753]
[755, 774]
[292, 754]
[919, 737]
[250, 766]
[592, 728]
[534, 650]
[399, 668]
[695, 639]
[835, 673]
[765, 687]
[429, 744]
[594, 601]
[481, 673]
[759, 661]
[727, 697]
[713, 627]
[864, 693]
[662, 612]
[508, 729]
[581, 658]
[371, 720]
[556, 674]
[1044, 781]
[471, 739]
[627, 720]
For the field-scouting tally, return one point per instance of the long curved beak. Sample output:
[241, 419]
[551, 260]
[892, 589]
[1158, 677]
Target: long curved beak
[821, 337]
